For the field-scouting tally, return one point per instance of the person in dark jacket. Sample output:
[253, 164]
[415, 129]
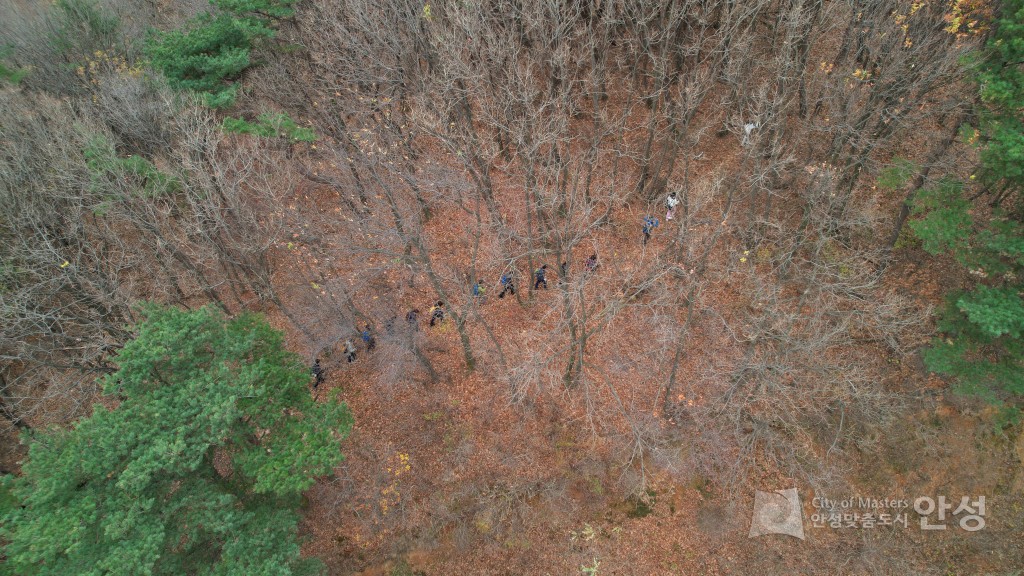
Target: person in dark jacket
[540, 277]
[318, 372]
[368, 338]
[649, 224]
[413, 318]
[437, 313]
[507, 285]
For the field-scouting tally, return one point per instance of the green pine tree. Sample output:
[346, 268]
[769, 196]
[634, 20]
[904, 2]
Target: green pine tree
[208, 57]
[982, 341]
[269, 125]
[270, 8]
[9, 74]
[199, 468]
[1001, 86]
[212, 51]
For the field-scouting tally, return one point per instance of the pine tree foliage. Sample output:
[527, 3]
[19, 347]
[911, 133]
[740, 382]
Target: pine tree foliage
[945, 221]
[10, 74]
[1001, 81]
[199, 468]
[983, 327]
[270, 8]
[104, 163]
[213, 50]
[208, 57]
[269, 125]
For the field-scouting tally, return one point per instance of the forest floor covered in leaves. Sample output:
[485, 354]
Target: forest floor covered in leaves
[451, 476]
[374, 158]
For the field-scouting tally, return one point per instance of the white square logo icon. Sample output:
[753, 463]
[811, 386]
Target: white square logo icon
[777, 512]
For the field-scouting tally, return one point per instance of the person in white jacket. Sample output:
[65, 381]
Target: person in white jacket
[671, 202]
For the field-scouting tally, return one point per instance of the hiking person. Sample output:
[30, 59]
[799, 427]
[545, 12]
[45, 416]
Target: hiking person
[747, 129]
[412, 317]
[479, 290]
[350, 351]
[564, 270]
[368, 338]
[318, 372]
[649, 224]
[540, 277]
[591, 264]
[437, 313]
[671, 202]
[507, 285]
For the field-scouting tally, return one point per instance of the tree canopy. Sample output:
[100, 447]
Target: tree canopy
[214, 49]
[983, 327]
[198, 469]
